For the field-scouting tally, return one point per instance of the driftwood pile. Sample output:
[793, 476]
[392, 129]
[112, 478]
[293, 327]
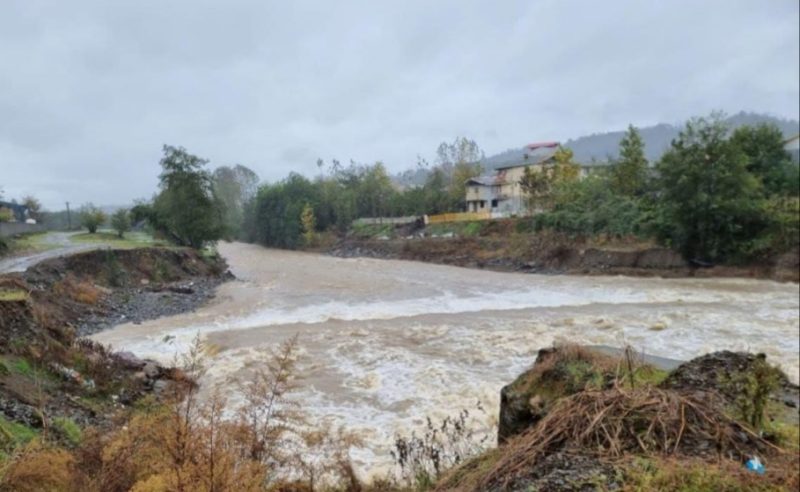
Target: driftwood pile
[612, 423]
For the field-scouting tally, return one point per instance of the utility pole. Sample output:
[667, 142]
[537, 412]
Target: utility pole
[69, 218]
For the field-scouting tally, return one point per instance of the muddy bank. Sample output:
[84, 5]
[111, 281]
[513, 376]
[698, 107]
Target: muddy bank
[47, 372]
[556, 255]
[581, 419]
[132, 285]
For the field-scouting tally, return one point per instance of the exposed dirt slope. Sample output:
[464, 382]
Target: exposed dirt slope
[556, 253]
[47, 372]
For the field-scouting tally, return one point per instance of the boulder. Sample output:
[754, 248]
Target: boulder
[129, 360]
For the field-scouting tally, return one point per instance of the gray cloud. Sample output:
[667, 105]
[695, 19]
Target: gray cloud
[90, 90]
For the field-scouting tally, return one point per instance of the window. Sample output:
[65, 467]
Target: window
[494, 203]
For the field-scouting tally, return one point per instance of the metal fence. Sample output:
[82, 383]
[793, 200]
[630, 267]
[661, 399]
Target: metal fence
[385, 220]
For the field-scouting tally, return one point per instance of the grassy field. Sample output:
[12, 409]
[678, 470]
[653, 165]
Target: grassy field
[129, 241]
[32, 243]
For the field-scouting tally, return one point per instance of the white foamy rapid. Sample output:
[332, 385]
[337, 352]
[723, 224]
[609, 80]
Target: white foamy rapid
[383, 344]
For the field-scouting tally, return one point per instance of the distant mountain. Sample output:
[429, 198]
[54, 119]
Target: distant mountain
[600, 147]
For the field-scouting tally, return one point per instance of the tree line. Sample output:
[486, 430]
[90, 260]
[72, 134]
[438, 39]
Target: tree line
[716, 195]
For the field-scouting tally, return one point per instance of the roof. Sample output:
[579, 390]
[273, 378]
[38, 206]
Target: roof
[538, 145]
[535, 156]
[792, 139]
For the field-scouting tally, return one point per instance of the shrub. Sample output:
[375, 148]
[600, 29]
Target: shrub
[591, 207]
[67, 429]
[81, 291]
[121, 222]
[38, 467]
[92, 217]
[752, 388]
[422, 459]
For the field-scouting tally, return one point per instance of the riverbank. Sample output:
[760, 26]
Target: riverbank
[49, 375]
[380, 346]
[581, 419]
[550, 253]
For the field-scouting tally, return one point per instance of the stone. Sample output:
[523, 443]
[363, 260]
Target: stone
[152, 370]
[160, 385]
[129, 360]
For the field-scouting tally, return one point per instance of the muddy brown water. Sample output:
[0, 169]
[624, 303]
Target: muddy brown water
[385, 343]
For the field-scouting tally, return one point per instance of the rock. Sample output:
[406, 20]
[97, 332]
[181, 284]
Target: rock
[706, 372]
[152, 370]
[129, 360]
[181, 289]
[516, 411]
[160, 385]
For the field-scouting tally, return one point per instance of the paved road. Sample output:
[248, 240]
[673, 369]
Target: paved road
[61, 245]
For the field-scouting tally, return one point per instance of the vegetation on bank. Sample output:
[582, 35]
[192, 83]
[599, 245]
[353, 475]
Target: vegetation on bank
[716, 196]
[139, 239]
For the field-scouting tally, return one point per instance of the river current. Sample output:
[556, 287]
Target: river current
[384, 344]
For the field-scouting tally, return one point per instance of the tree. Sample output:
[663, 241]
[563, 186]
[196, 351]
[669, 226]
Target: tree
[460, 161]
[537, 184]
[767, 159]
[540, 182]
[565, 168]
[34, 207]
[121, 222]
[309, 224]
[91, 217]
[6, 214]
[711, 205]
[187, 207]
[277, 209]
[629, 173]
[374, 191]
[235, 186]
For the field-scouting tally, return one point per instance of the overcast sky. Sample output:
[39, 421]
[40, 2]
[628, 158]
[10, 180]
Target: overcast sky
[91, 90]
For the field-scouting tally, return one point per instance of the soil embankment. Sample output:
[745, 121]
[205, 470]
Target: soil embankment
[580, 419]
[47, 372]
[556, 254]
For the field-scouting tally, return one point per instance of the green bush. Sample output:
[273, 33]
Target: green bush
[472, 229]
[591, 207]
[753, 388]
[68, 430]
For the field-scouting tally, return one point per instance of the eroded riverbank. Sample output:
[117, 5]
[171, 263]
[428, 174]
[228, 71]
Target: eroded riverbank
[385, 343]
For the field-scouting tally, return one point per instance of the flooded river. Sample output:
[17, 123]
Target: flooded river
[384, 343]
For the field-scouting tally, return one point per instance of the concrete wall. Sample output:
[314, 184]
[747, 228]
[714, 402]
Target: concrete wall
[11, 228]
